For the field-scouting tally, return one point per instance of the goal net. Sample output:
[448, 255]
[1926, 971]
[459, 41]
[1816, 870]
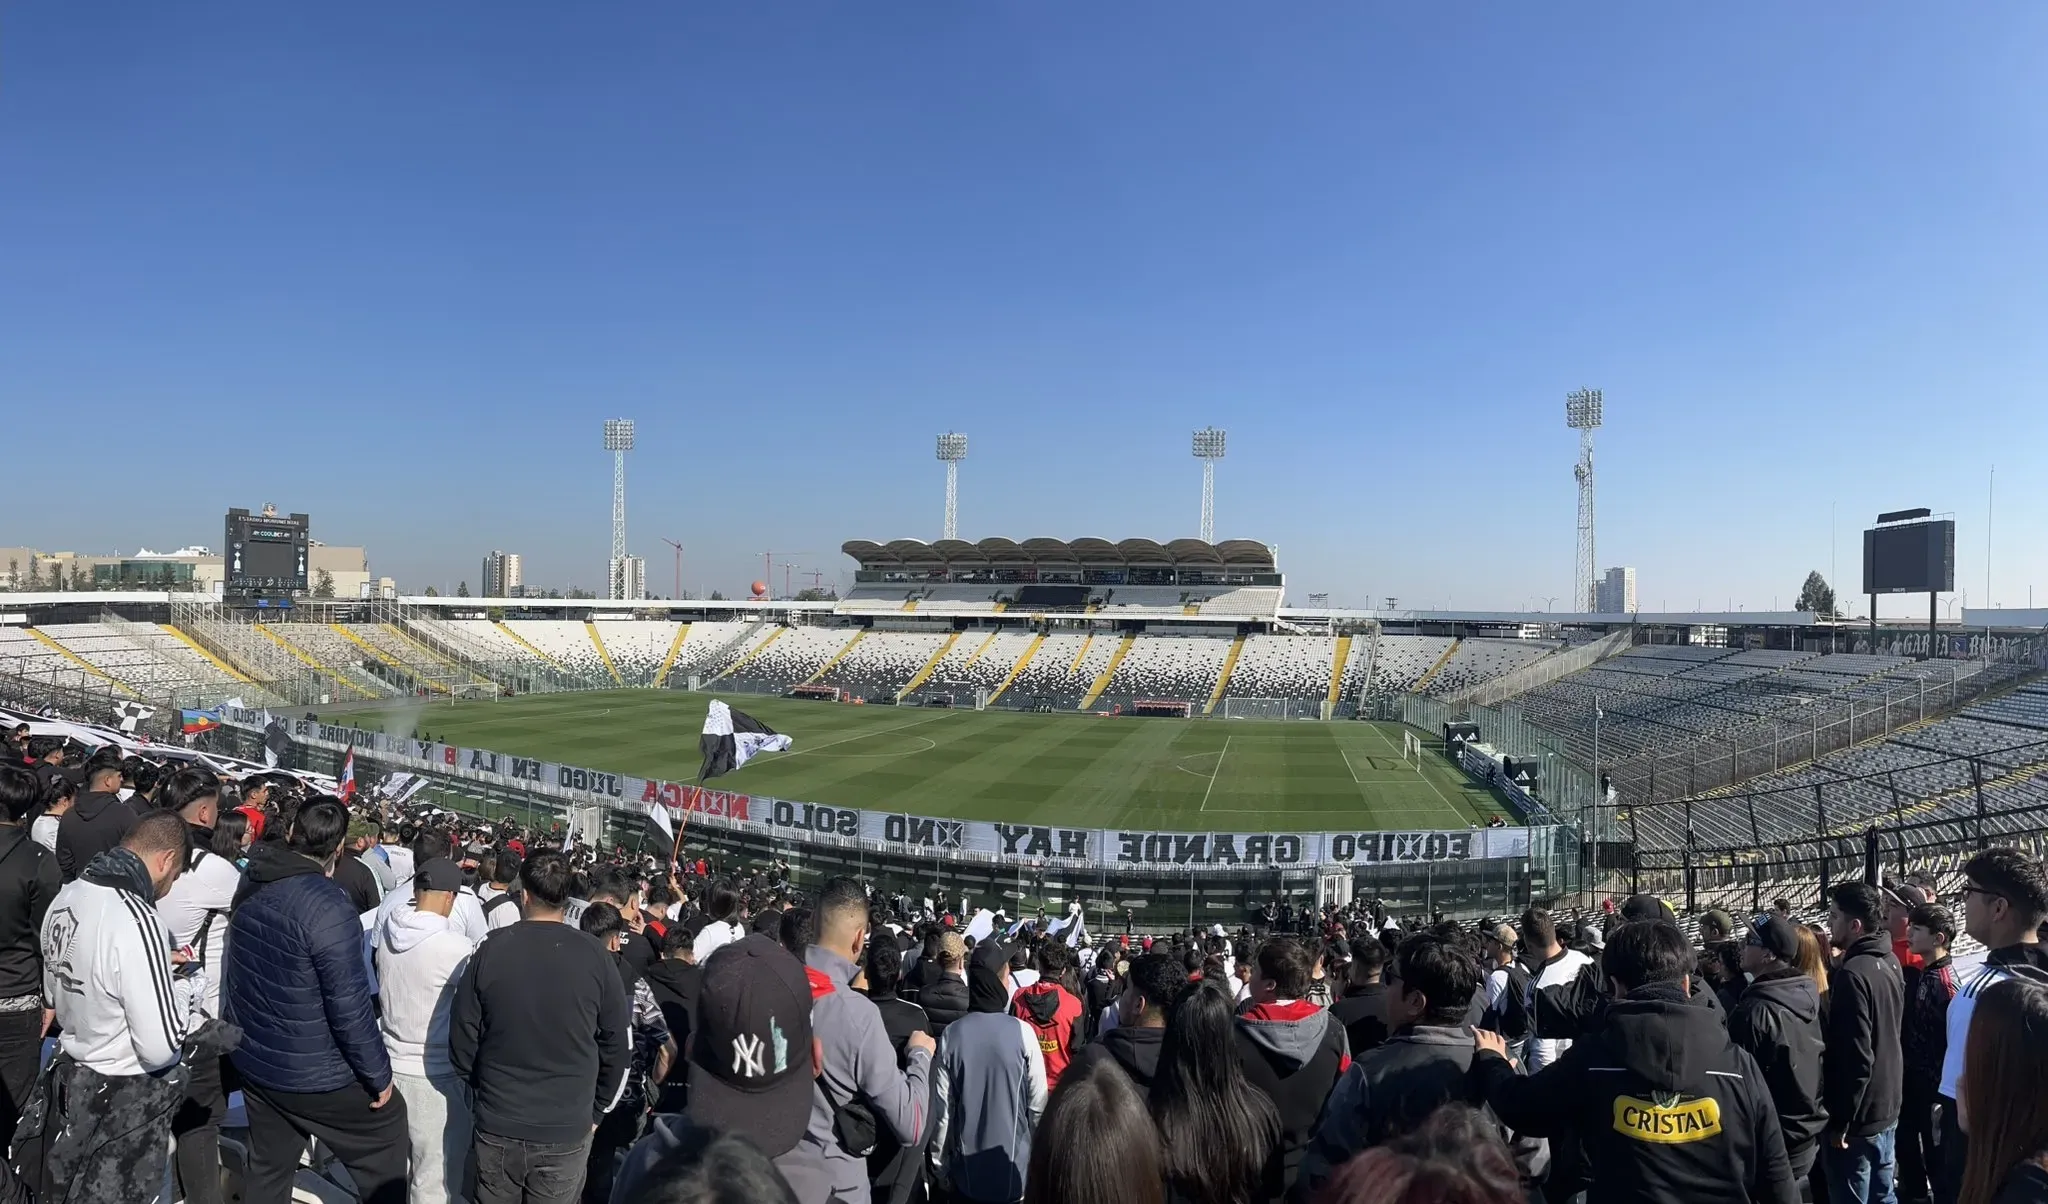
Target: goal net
[1256, 708]
[1411, 749]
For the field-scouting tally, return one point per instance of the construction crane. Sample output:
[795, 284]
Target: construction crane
[679, 565]
[768, 568]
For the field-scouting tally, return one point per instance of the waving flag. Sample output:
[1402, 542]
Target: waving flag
[731, 738]
[191, 723]
[276, 742]
[347, 786]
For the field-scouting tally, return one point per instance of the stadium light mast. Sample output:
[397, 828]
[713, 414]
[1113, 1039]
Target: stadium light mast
[1208, 449]
[1582, 414]
[952, 450]
[618, 440]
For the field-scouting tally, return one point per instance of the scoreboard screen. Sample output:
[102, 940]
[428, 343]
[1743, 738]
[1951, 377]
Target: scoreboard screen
[1910, 558]
[267, 552]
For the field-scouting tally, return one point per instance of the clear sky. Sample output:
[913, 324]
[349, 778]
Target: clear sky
[392, 264]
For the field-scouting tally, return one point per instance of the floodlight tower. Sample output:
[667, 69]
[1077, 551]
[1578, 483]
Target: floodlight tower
[952, 450]
[1208, 449]
[618, 440]
[1582, 414]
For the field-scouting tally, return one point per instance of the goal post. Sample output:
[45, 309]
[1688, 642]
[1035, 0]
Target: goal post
[1411, 749]
[1255, 708]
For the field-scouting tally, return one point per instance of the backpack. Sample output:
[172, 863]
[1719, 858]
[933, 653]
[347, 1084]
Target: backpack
[1510, 1018]
[496, 903]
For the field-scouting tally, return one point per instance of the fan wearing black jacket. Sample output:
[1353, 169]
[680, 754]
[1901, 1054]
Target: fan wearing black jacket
[944, 997]
[1865, 1069]
[1140, 1032]
[674, 980]
[893, 1170]
[1777, 1019]
[1669, 1110]
[97, 821]
[28, 881]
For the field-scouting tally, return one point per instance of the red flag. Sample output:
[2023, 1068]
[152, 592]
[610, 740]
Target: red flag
[347, 788]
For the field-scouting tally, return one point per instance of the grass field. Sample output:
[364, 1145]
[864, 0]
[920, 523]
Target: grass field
[1077, 770]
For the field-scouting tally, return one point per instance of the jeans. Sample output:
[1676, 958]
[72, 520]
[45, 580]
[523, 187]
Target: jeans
[438, 1117]
[1865, 1172]
[506, 1170]
[371, 1143]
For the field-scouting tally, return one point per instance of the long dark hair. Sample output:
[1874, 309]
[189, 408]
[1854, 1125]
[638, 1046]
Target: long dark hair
[1215, 1128]
[1097, 1144]
[2004, 1109]
[1454, 1157]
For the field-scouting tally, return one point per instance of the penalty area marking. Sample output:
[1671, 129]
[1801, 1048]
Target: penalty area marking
[929, 746]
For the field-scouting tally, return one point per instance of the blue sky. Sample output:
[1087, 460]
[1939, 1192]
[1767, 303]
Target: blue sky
[393, 264]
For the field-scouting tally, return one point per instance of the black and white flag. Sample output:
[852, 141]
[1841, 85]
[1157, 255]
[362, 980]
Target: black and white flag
[731, 738]
[130, 714]
[659, 823]
[276, 742]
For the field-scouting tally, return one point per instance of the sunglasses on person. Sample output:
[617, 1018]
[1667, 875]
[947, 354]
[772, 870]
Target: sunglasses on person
[1971, 888]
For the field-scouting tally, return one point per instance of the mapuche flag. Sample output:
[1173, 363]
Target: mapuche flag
[731, 738]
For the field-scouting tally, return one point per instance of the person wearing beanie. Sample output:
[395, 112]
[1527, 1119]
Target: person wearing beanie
[1777, 1019]
[990, 1074]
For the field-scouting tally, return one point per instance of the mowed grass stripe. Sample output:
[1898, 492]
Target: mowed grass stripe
[1079, 770]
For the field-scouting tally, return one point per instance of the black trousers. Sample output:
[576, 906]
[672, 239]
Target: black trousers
[1948, 1184]
[372, 1143]
[615, 1134]
[1919, 1150]
[196, 1126]
[21, 1057]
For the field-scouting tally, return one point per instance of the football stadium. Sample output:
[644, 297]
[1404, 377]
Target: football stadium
[1116, 722]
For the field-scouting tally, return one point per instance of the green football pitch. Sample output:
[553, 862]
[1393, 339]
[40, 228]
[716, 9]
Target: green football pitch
[1061, 769]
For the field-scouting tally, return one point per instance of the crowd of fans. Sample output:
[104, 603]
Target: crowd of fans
[439, 1009]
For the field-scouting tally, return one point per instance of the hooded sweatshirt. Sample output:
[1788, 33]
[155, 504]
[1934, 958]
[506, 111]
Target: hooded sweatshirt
[1134, 1049]
[95, 823]
[1293, 1051]
[1670, 1111]
[991, 1092]
[1053, 1014]
[1777, 1019]
[418, 955]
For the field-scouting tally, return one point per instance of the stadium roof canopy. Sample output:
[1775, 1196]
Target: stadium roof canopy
[1247, 554]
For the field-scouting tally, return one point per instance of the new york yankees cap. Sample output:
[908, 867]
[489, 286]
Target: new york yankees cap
[750, 1051]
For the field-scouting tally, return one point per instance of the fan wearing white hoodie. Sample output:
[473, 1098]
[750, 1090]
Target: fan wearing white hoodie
[420, 957]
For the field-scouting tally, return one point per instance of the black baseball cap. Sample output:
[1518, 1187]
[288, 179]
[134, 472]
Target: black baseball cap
[437, 873]
[750, 1051]
[1776, 936]
[1646, 907]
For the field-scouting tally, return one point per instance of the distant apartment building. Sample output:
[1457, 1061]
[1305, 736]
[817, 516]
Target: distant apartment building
[502, 578]
[627, 579]
[1615, 594]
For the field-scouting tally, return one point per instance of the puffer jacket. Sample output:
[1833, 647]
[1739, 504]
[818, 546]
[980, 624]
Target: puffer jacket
[944, 1001]
[295, 981]
[1053, 1014]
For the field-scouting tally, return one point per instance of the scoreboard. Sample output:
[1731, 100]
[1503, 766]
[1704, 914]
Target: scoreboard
[267, 553]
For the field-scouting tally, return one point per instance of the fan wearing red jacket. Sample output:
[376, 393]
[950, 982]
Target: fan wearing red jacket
[1051, 1009]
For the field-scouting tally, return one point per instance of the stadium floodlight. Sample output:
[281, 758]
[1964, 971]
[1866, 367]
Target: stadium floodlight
[1582, 413]
[618, 440]
[1209, 449]
[952, 450]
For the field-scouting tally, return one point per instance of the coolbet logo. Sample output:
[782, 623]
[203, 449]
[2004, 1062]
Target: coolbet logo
[1667, 1122]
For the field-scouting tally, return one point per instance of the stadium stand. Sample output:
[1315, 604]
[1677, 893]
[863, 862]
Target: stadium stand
[1926, 772]
[1169, 667]
[334, 655]
[978, 661]
[1401, 661]
[143, 666]
[1479, 660]
[566, 642]
[1066, 664]
[789, 656]
[1282, 666]
[884, 662]
[638, 647]
[40, 658]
